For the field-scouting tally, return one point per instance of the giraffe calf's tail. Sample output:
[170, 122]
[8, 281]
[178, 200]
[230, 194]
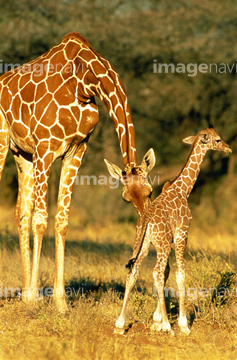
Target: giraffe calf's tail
[140, 236]
[130, 264]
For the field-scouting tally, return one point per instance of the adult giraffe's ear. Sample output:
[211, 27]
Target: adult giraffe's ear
[114, 170]
[189, 140]
[148, 161]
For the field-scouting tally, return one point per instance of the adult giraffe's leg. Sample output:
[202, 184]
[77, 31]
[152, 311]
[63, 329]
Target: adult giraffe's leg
[42, 161]
[130, 282]
[4, 143]
[68, 176]
[180, 244]
[23, 212]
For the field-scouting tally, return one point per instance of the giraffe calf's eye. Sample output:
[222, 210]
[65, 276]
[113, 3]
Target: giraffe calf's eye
[217, 141]
[150, 194]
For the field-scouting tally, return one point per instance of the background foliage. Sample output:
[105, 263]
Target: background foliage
[165, 107]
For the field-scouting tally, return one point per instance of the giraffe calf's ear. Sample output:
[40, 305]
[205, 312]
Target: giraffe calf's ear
[114, 170]
[148, 161]
[189, 140]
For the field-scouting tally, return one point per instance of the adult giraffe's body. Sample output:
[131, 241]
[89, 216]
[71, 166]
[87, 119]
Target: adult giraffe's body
[47, 110]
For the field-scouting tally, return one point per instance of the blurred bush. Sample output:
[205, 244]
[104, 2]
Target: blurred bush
[133, 36]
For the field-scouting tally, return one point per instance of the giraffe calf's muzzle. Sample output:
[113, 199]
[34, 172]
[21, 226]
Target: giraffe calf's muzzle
[222, 146]
[225, 148]
[228, 150]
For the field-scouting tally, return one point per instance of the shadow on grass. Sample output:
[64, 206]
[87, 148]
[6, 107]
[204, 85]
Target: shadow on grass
[86, 287]
[107, 249]
[77, 288]
[11, 242]
[8, 241]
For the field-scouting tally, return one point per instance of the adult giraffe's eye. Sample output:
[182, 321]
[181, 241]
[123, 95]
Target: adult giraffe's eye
[217, 141]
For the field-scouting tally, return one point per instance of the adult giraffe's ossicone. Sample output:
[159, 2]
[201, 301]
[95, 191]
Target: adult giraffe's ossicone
[47, 111]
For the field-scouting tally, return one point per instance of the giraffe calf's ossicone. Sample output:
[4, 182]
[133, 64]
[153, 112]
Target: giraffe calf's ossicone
[167, 219]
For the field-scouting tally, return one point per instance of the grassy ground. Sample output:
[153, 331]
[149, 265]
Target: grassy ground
[95, 278]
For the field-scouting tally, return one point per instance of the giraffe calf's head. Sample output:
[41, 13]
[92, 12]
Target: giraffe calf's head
[137, 189]
[210, 140]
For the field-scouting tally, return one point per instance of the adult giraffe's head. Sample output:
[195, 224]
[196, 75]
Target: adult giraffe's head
[136, 188]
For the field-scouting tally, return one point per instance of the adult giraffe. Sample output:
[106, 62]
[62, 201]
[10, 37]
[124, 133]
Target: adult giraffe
[47, 111]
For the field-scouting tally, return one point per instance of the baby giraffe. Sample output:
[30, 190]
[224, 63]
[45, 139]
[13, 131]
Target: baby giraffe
[167, 220]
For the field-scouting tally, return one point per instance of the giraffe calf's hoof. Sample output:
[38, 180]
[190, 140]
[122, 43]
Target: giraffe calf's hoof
[159, 326]
[119, 331]
[185, 331]
[169, 331]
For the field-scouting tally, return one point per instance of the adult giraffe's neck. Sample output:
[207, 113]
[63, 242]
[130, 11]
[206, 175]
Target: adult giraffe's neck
[188, 175]
[111, 92]
[102, 80]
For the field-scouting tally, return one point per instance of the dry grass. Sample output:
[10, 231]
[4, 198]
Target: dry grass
[95, 276]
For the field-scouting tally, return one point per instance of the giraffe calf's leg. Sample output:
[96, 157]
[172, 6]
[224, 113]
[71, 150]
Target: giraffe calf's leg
[161, 274]
[157, 318]
[182, 320]
[180, 245]
[160, 318]
[130, 282]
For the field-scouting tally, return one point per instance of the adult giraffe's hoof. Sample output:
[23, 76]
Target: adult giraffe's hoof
[31, 296]
[156, 326]
[119, 331]
[61, 306]
[183, 325]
